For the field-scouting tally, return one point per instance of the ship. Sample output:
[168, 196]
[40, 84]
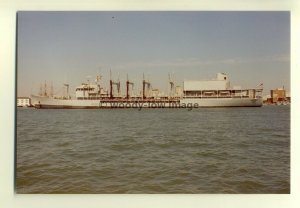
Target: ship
[215, 92]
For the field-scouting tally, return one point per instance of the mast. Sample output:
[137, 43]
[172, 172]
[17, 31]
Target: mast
[41, 90]
[45, 89]
[98, 77]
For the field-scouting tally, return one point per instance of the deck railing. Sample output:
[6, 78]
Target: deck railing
[245, 93]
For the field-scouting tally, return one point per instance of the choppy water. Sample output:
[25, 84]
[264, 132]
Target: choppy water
[209, 150]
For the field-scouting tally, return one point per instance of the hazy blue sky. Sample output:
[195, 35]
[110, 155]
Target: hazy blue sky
[66, 47]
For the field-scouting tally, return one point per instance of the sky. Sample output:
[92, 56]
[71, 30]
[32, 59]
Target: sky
[71, 47]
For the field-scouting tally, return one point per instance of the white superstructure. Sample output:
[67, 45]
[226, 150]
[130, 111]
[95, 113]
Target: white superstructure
[90, 91]
[218, 93]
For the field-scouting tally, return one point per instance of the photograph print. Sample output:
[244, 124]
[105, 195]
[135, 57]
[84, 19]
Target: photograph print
[144, 102]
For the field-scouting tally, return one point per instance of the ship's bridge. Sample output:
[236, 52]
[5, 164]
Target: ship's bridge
[87, 91]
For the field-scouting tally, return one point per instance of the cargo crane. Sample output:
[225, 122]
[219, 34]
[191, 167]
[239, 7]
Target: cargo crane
[68, 96]
[128, 83]
[171, 82]
[145, 84]
[117, 84]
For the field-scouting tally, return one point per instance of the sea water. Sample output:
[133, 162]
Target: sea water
[205, 150]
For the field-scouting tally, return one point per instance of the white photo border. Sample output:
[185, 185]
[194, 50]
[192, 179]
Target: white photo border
[8, 198]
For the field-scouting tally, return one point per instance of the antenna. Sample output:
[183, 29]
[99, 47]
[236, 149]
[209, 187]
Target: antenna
[98, 77]
[51, 90]
[88, 77]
